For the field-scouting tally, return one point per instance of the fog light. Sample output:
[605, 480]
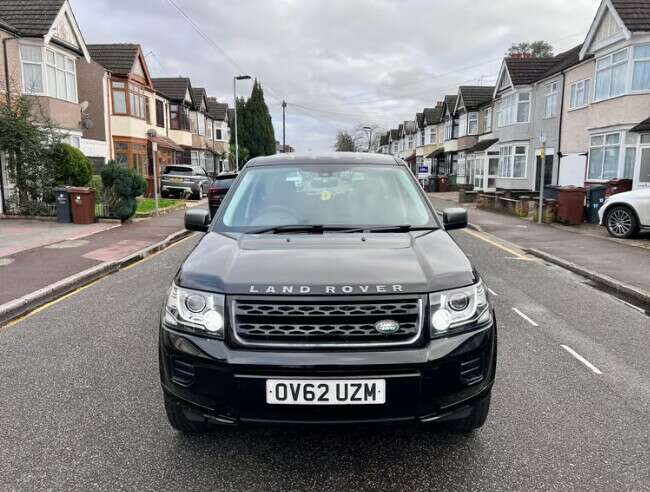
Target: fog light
[213, 321]
[441, 320]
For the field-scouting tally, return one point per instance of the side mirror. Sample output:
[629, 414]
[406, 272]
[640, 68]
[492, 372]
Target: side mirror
[197, 219]
[454, 218]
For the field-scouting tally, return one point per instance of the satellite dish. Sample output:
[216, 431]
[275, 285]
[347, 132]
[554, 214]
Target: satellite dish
[152, 133]
[84, 106]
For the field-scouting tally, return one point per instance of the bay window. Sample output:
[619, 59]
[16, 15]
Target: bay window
[579, 96]
[462, 125]
[472, 124]
[488, 120]
[132, 155]
[550, 99]
[201, 120]
[513, 108]
[208, 129]
[604, 153]
[48, 72]
[448, 129]
[641, 75]
[611, 75]
[160, 113]
[129, 99]
[179, 117]
[512, 161]
[193, 121]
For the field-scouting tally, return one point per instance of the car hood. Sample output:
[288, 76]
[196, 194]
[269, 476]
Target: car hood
[326, 264]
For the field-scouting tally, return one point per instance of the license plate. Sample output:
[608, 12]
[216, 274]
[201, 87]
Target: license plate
[325, 391]
[177, 180]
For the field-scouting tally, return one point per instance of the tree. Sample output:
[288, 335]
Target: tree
[243, 156]
[27, 138]
[536, 49]
[257, 135]
[122, 186]
[72, 167]
[345, 142]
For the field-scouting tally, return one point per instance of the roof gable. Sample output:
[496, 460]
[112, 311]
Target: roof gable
[474, 96]
[216, 110]
[174, 88]
[199, 96]
[450, 104]
[53, 20]
[607, 26]
[121, 59]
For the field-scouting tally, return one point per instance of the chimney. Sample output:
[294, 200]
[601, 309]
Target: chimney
[522, 56]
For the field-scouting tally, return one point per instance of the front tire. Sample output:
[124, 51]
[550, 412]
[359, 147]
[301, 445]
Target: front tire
[184, 421]
[621, 222]
[477, 417]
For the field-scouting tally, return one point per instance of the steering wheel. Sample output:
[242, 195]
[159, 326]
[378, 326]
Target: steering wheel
[279, 210]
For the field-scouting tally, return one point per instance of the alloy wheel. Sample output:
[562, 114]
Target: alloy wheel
[620, 222]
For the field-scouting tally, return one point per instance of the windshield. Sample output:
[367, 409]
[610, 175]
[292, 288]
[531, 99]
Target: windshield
[178, 170]
[325, 195]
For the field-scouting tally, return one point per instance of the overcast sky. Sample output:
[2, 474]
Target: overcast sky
[338, 63]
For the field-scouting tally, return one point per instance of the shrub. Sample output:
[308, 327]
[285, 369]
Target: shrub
[71, 166]
[122, 186]
[96, 182]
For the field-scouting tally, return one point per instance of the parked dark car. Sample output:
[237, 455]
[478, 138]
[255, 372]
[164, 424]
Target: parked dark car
[327, 290]
[179, 180]
[218, 190]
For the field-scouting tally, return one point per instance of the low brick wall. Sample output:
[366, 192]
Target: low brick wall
[520, 205]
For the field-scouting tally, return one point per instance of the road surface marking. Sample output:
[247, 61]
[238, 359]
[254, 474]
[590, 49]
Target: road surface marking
[147, 258]
[51, 303]
[84, 287]
[524, 316]
[593, 368]
[495, 244]
[492, 292]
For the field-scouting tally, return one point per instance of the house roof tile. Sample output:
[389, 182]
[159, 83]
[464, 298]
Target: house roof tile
[450, 102]
[30, 17]
[117, 58]
[174, 88]
[525, 71]
[475, 95]
[635, 14]
[433, 116]
[419, 120]
[197, 94]
[217, 110]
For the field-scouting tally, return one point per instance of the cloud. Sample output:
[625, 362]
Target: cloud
[336, 62]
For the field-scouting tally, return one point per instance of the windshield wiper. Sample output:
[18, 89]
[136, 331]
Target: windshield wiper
[401, 228]
[312, 229]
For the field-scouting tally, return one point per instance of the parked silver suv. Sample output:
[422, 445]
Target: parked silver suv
[181, 180]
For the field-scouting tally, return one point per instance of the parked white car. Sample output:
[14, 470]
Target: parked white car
[625, 214]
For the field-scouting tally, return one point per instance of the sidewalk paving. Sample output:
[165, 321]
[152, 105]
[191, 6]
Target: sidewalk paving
[27, 270]
[584, 247]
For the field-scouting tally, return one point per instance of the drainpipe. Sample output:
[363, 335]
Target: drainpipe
[559, 134]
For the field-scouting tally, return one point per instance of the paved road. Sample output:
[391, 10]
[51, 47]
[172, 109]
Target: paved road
[82, 408]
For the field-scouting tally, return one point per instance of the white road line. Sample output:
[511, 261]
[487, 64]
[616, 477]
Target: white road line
[492, 292]
[524, 316]
[593, 368]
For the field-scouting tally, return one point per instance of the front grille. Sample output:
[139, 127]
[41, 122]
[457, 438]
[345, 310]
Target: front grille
[324, 322]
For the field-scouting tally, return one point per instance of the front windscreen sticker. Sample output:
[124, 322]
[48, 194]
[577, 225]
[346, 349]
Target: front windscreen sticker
[325, 195]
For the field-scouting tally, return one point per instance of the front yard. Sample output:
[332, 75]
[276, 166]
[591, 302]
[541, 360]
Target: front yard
[147, 206]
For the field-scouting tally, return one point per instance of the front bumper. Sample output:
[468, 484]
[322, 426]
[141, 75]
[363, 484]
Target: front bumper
[227, 385]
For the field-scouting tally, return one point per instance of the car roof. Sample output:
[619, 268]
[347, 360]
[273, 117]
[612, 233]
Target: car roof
[292, 158]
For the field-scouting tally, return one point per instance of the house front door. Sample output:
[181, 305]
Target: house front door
[491, 166]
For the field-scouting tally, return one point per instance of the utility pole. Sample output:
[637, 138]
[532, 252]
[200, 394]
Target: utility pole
[154, 152]
[284, 142]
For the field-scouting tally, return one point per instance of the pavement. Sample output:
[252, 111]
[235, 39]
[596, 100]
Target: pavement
[626, 262]
[82, 406]
[44, 253]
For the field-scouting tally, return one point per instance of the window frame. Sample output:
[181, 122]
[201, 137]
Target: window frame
[603, 147]
[551, 93]
[586, 91]
[472, 117]
[507, 160]
[508, 115]
[44, 64]
[160, 113]
[610, 68]
[633, 68]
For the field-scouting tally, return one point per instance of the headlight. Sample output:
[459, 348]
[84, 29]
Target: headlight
[451, 310]
[195, 311]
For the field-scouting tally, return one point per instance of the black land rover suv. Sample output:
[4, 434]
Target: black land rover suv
[327, 290]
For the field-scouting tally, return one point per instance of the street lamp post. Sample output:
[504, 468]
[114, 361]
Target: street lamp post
[234, 90]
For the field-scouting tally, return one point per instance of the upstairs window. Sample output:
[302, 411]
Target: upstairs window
[201, 120]
[193, 121]
[611, 75]
[550, 99]
[472, 124]
[208, 129]
[513, 108]
[488, 120]
[579, 97]
[179, 117]
[160, 113]
[641, 76]
[48, 72]
[218, 134]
